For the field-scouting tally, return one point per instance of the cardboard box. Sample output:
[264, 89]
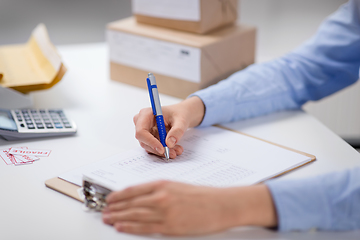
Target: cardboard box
[197, 16]
[182, 62]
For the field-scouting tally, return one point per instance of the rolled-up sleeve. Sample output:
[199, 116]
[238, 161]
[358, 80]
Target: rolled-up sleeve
[327, 202]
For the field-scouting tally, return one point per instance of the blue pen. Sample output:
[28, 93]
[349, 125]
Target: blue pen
[156, 107]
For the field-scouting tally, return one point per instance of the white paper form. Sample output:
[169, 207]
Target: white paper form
[169, 59]
[185, 10]
[212, 157]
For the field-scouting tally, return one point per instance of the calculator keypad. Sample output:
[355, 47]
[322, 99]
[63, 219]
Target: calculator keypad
[42, 119]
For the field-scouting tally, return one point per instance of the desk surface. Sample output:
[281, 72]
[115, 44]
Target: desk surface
[103, 110]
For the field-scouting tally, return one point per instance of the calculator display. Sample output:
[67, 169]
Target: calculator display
[6, 121]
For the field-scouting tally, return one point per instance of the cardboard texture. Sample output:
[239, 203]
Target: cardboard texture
[32, 66]
[213, 14]
[222, 53]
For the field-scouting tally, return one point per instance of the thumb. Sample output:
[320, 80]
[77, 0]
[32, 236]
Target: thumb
[176, 132]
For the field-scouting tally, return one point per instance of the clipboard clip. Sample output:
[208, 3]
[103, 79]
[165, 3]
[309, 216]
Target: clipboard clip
[94, 194]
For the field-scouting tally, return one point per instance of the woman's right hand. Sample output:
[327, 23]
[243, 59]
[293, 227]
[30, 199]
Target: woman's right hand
[178, 118]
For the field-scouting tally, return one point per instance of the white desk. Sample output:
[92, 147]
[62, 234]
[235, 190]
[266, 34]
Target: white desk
[103, 110]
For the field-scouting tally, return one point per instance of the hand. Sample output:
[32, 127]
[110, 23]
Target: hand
[172, 208]
[178, 118]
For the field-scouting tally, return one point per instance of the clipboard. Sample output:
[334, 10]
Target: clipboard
[71, 189]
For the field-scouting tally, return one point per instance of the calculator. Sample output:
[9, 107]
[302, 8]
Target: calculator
[31, 123]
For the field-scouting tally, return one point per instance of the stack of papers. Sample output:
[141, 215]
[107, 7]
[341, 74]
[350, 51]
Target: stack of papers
[212, 157]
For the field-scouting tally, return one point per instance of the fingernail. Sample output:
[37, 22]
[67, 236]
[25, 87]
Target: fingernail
[119, 227]
[106, 210]
[158, 150]
[172, 140]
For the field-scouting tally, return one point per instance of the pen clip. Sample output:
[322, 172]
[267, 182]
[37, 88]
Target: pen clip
[151, 96]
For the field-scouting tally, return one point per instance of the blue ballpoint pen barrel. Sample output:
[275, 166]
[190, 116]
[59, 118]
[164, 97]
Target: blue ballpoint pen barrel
[161, 129]
[156, 107]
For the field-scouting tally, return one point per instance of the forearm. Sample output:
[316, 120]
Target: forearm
[323, 65]
[255, 91]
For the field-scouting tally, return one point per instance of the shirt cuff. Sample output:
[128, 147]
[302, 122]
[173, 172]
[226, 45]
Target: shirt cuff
[300, 204]
[216, 111]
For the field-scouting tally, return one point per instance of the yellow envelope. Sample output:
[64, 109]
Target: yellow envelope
[32, 66]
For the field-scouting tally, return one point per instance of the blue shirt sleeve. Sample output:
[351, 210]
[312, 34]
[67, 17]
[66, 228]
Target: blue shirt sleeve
[328, 202]
[323, 65]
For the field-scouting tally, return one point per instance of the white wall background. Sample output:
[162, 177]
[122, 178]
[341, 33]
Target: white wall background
[282, 26]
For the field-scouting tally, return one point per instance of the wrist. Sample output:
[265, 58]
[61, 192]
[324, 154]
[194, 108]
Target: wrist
[255, 207]
[195, 109]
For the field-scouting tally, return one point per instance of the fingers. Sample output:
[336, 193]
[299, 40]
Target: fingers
[149, 149]
[178, 150]
[146, 138]
[139, 228]
[134, 191]
[132, 214]
[135, 118]
[174, 152]
[176, 132]
[153, 200]
[144, 126]
[144, 122]
[137, 202]
[136, 214]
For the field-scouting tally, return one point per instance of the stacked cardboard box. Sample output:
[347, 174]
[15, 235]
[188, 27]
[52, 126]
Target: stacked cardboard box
[182, 61]
[198, 16]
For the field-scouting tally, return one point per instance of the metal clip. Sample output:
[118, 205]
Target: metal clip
[95, 194]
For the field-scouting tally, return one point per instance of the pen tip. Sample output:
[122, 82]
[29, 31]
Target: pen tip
[150, 74]
[167, 154]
